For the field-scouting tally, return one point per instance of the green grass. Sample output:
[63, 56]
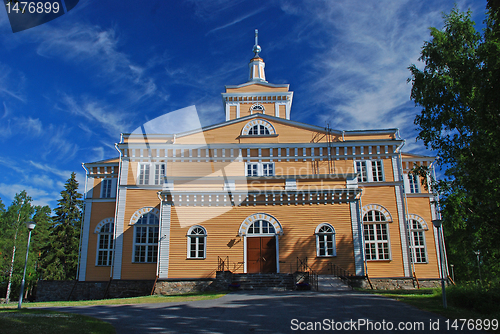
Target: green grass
[28, 320]
[462, 303]
[123, 301]
[23, 321]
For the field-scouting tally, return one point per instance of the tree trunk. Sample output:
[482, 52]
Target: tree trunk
[7, 297]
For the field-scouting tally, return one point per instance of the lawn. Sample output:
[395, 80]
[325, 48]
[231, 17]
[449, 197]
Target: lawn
[30, 320]
[431, 300]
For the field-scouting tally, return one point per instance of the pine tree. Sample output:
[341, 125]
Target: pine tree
[59, 258]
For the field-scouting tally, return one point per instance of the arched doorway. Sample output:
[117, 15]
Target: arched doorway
[260, 232]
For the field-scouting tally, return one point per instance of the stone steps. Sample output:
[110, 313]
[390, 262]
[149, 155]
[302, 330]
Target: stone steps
[272, 281]
[331, 283]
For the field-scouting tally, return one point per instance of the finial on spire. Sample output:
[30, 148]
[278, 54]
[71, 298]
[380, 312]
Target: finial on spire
[256, 47]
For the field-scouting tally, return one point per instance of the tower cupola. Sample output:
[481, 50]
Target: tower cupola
[257, 64]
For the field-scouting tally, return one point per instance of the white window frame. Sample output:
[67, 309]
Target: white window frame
[262, 225]
[150, 247]
[361, 170]
[155, 173]
[322, 241]
[374, 221]
[417, 233]
[194, 240]
[108, 250]
[262, 168]
[371, 166]
[413, 183]
[108, 188]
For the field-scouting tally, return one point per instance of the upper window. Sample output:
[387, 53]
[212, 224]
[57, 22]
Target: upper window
[325, 240]
[261, 227]
[417, 242]
[197, 244]
[376, 233]
[146, 238]
[258, 127]
[106, 188]
[151, 173]
[257, 108]
[259, 169]
[105, 243]
[369, 170]
[413, 184]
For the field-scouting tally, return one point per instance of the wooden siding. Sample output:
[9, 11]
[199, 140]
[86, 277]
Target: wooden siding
[136, 199]
[298, 222]
[421, 207]
[386, 197]
[100, 211]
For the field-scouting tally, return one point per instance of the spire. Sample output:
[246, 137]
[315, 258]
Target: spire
[256, 63]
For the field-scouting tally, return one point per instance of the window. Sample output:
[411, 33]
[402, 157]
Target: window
[260, 169]
[364, 166]
[257, 108]
[417, 242]
[146, 238]
[261, 227]
[413, 183]
[325, 240]
[105, 244]
[145, 175]
[159, 173]
[376, 236]
[258, 127]
[106, 187]
[361, 169]
[377, 172]
[197, 237]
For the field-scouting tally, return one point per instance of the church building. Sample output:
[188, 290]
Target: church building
[259, 193]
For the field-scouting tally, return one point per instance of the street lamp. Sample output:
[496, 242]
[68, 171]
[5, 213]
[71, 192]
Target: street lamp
[437, 224]
[30, 226]
[478, 254]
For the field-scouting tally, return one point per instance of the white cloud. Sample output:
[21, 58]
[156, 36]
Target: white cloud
[39, 196]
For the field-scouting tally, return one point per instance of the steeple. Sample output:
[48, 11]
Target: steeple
[257, 64]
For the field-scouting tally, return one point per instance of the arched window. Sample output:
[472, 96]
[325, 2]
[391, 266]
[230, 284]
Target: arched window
[258, 130]
[146, 238]
[197, 245]
[417, 242]
[376, 233]
[257, 108]
[105, 242]
[261, 227]
[258, 127]
[325, 240]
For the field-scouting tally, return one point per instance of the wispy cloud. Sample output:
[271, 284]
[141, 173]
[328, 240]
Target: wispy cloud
[10, 83]
[40, 196]
[112, 121]
[99, 48]
[237, 20]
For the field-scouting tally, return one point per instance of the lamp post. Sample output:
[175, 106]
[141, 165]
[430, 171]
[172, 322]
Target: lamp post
[452, 272]
[478, 254]
[30, 226]
[437, 224]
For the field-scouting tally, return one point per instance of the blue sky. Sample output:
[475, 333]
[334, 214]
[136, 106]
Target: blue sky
[69, 87]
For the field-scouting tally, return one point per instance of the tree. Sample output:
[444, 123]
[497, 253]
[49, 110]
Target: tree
[59, 258]
[458, 90]
[17, 214]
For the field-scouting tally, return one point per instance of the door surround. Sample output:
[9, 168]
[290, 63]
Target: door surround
[247, 226]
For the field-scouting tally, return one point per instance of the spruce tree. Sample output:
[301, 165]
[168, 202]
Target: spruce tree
[59, 258]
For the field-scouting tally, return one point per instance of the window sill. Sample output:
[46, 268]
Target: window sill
[196, 258]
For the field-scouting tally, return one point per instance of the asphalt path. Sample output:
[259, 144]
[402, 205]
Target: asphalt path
[272, 312]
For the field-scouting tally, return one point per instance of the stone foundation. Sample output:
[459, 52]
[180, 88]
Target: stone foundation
[397, 283]
[167, 288]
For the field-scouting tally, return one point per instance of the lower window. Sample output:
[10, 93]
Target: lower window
[146, 238]
[325, 240]
[197, 236]
[376, 242]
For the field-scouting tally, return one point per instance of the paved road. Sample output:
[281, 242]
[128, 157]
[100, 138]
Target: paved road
[270, 312]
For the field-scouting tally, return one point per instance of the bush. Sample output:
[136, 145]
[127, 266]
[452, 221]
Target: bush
[484, 299]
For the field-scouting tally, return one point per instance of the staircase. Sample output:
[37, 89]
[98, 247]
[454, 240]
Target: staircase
[331, 283]
[273, 282]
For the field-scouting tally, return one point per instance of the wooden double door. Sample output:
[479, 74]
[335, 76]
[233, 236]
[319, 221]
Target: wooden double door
[261, 254]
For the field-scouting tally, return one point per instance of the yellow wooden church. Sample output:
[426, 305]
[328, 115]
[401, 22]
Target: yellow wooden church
[261, 192]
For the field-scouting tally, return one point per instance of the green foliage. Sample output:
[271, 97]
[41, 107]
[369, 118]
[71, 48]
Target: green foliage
[460, 119]
[59, 255]
[483, 299]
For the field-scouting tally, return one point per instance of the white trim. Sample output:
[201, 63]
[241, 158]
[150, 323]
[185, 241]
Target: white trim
[403, 224]
[377, 207]
[97, 231]
[259, 216]
[85, 240]
[357, 238]
[119, 222]
[164, 240]
[334, 240]
[249, 125]
[189, 236]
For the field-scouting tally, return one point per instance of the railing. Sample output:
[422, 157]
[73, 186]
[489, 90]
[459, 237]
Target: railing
[222, 263]
[340, 272]
[304, 267]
